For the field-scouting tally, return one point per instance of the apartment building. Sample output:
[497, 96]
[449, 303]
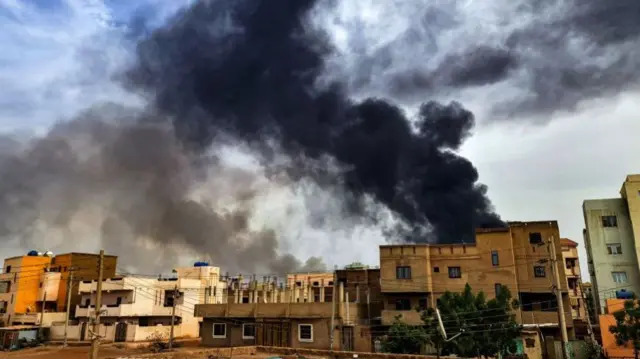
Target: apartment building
[274, 315]
[33, 287]
[612, 227]
[136, 308]
[414, 276]
[572, 272]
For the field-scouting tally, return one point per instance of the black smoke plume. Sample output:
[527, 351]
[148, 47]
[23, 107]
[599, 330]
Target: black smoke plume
[252, 69]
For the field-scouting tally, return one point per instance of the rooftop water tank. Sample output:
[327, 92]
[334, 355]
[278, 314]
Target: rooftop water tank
[201, 264]
[32, 253]
[48, 253]
[623, 294]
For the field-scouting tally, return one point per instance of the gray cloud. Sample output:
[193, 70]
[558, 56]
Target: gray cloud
[554, 54]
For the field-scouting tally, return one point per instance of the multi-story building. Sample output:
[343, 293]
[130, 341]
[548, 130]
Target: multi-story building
[414, 276]
[572, 272]
[137, 308]
[612, 227]
[299, 315]
[34, 287]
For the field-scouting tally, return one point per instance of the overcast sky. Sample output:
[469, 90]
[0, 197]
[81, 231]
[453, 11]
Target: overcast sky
[58, 57]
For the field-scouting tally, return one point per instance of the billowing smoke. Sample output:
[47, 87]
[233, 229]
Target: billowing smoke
[266, 76]
[252, 68]
[120, 176]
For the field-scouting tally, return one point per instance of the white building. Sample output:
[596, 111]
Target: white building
[136, 308]
[611, 226]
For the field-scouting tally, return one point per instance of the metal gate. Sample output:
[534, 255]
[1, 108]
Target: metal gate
[121, 332]
[83, 331]
[347, 339]
[273, 334]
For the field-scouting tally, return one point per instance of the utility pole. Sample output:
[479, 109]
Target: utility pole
[95, 342]
[66, 319]
[176, 295]
[43, 285]
[44, 301]
[556, 284]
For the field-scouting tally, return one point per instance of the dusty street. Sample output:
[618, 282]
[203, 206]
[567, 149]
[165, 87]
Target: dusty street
[67, 353]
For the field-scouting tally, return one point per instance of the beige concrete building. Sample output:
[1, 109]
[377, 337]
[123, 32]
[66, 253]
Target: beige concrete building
[612, 227]
[414, 276]
[273, 314]
[137, 308]
[572, 272]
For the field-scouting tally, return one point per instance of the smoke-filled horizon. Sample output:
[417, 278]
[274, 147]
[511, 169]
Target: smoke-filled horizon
[270, 78]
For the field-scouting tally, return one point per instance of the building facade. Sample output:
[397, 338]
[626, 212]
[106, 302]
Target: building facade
[138, 308]
[275, 316]
[611, 227]
[415, 276]
[33, 288]
[574, 282]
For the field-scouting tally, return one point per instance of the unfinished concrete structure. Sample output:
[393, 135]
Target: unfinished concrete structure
[271, 314]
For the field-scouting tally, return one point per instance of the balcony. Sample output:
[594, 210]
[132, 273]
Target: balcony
[27, 318]
[127, 310]
[34, 318]
[5, 297]
[411, 317]
[276, 310]
[404, 285]
[542, 317]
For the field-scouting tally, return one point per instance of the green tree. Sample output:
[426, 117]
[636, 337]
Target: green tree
[487, 328]
[627, 328]
[403, 338]
[356, 265]
[433, 335]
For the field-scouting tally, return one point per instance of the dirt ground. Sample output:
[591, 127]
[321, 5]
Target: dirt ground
[66, 353]
[107, 351]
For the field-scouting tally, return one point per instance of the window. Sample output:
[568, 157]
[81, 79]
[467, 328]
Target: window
[422, 303]
[614, 248]
[436, 269]
[305, 332]
[248, 331]
[535, 238]
[619, 277]
[539, 271]
[403, 272]
[8, 270]
[403, 304]
[609, 221]
[219, 330]
[315, 284]
[498, 289]
[455, 272]
[494, 258]
[299, 284]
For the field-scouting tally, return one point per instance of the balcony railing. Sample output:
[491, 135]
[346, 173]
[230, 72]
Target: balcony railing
[126, 310]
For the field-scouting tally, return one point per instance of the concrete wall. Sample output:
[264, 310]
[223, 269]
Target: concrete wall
[601, 263]
[56, 332]
[234, 337]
